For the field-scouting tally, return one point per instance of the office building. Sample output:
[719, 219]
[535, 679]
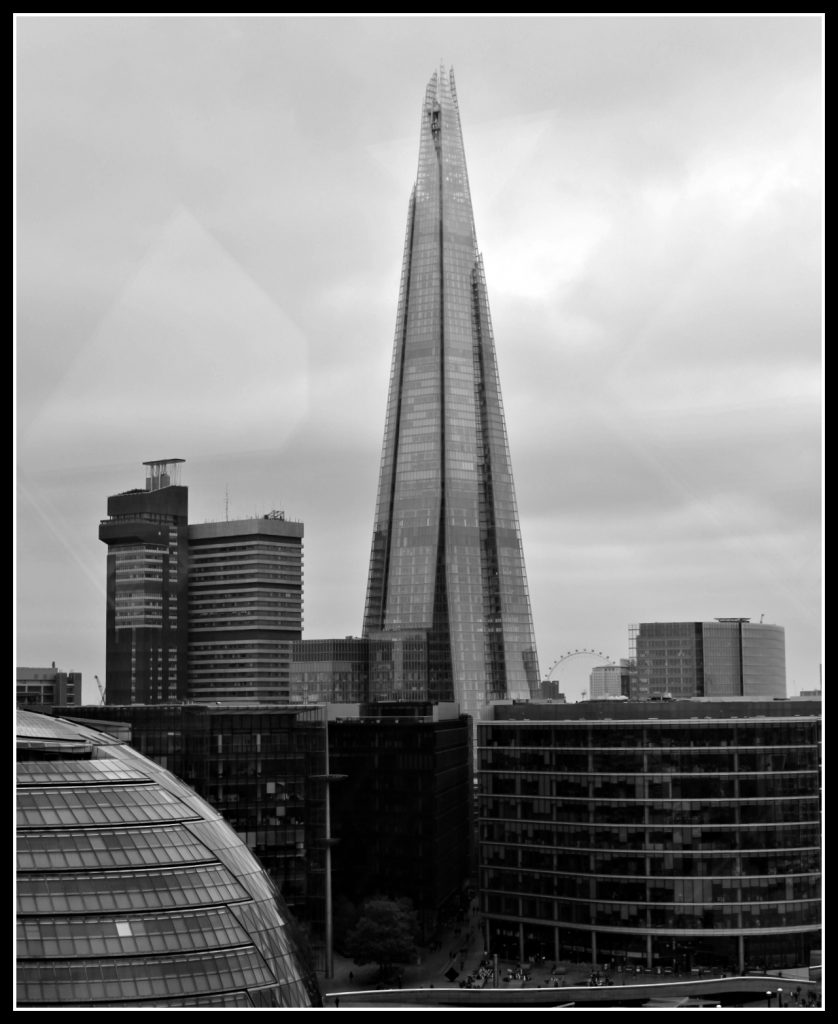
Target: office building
[402, 816]
[330, 671]
[380, 667]
[43, 687]
[245, 608]
[260, 767]
[146, 619]
[134, 893]
[611, 680]
[206, 612]
[724, 658]
[447, 559]
[675, 835]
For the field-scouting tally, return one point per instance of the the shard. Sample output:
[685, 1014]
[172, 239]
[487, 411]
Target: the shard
[447, 563]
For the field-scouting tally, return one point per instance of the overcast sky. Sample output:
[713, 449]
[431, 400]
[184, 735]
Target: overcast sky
[210, 219]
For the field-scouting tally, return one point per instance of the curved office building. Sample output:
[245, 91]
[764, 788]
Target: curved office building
[665, 835]
[133, 892]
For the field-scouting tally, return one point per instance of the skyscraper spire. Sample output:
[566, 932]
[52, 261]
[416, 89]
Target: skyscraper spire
[447, 559]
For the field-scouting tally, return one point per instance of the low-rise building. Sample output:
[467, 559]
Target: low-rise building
[41, 688]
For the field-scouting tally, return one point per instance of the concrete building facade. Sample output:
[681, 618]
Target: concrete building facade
[43, 687]
[245, 608]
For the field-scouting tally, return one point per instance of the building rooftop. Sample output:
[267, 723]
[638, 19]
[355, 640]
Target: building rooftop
[673, 710]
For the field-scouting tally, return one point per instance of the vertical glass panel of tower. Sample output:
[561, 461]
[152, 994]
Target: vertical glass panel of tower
[447, 555]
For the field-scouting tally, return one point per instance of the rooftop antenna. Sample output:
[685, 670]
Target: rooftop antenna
[226, 503]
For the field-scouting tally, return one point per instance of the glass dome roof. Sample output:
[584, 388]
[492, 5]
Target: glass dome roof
[133, 891]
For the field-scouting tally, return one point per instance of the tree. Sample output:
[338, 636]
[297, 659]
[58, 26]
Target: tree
[385, 934]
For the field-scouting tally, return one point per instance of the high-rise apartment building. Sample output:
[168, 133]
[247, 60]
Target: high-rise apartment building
[245, 608]
[146, 627]
[724, 658]
[447, 558]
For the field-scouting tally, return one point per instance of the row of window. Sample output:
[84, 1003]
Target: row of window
[653, 890]
[690, 916]
[654, 865]
[97, 980]
[62, 850]
[119, 891]
[563, 811]
[37, 807]
[112, 936]
[643, 838]
[648, 761]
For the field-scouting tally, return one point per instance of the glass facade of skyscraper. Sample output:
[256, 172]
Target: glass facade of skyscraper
[447, 556]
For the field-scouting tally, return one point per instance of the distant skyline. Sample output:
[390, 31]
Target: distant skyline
[209, 230]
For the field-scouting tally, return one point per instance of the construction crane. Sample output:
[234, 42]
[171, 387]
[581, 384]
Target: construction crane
[101, 690]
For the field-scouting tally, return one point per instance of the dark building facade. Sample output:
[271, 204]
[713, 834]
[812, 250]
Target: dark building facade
[134, 893]
[146, 617]
[245, 608]
[43, 687]
[402, 817]
[723, 658]
[675, 835]
[261, 768]
[447, 558]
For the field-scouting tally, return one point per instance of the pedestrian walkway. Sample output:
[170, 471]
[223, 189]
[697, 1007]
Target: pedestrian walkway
[459, 956]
